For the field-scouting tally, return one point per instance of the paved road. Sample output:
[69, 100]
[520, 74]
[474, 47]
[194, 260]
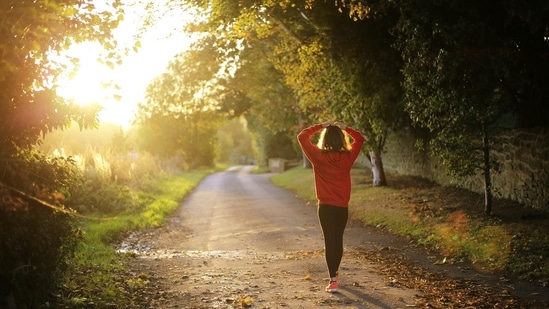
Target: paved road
[236, 211]
[237, 236]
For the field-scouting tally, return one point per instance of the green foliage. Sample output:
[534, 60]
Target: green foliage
[272, 109]
[434, 217]
[35, 204]
[30, 32]
[35, 244]
[45, 178]
[36, 233]
[272, 102]
[234, 140]
[192, 138]
[99, 197]
[180, 117]
[259, 145]
[387, 61]
[300, 62]
[96, 273]
[462, 65]
[348, 70]
[281, 146]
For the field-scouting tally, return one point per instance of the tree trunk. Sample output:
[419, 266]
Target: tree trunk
[306, 162]
[378, 173]
[487, 172]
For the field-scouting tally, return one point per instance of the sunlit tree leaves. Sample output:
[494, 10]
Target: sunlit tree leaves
[181, 112]
[337, 68]
[273, 109]
[355, 60]
[31, 184]
[31, 32]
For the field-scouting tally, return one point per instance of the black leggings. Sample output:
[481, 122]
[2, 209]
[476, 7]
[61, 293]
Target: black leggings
[333, 220]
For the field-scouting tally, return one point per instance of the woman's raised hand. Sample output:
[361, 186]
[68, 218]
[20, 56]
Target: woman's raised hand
[327, 123]
[340, 125]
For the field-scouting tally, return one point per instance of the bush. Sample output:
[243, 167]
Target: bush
[37, 234]
[35, 242]
[103, 197]
[107, 182]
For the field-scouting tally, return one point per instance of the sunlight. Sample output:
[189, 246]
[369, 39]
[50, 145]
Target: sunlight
[120, 89]
[88, 84]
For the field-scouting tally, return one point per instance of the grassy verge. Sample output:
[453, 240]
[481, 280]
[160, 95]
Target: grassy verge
[448, 220]
[96, 276]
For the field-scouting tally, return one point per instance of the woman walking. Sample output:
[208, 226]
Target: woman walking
[332, 160]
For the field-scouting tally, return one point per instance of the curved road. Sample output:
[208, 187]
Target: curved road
[237, 235]
[237, 211]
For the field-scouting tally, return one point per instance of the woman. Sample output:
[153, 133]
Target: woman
[332, 160]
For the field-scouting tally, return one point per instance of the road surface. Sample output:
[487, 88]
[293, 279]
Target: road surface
[239, 241]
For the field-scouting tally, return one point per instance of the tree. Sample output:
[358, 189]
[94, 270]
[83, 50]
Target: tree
[250, 87]
[32, 32]
[180, 115]
[235, 142]
[364, 66]
[464, 69]
[367, 91]
[272, 109]
[358, 71]
[338, 66]
[32, 186]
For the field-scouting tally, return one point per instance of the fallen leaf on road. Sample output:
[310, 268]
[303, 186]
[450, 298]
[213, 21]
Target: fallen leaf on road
[244, 301]
[439, 262]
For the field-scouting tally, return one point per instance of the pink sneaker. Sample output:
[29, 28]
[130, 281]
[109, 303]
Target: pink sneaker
[332, 287]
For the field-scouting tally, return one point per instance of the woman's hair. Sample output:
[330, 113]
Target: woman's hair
[332, 139]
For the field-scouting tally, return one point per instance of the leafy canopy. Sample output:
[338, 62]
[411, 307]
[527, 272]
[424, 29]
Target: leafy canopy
[32, 33]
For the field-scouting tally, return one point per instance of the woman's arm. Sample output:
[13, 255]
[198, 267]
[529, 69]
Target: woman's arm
[304, 139]
[358, 138]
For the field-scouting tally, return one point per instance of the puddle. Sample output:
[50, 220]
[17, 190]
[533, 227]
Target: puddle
[142, 249]
[221, 254]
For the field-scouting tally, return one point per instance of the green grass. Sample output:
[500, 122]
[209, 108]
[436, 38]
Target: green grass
[161, 202]
[444, 219]
[299, 180]
[97, 271]
[98, 276]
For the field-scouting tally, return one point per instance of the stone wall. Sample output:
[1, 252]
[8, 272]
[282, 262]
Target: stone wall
[523, 155]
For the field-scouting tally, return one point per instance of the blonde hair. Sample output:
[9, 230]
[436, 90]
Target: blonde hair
[333, 139]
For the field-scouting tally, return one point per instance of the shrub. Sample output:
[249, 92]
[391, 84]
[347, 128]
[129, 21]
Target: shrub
[35, 242]
[37, 234]
[103, 197]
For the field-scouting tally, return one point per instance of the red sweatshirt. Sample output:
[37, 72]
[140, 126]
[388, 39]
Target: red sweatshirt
[332, 170]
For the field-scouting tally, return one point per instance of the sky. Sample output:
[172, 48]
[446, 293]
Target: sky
[159, 44]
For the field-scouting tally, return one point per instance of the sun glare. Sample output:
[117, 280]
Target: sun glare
[88, 84]
[119, 90]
